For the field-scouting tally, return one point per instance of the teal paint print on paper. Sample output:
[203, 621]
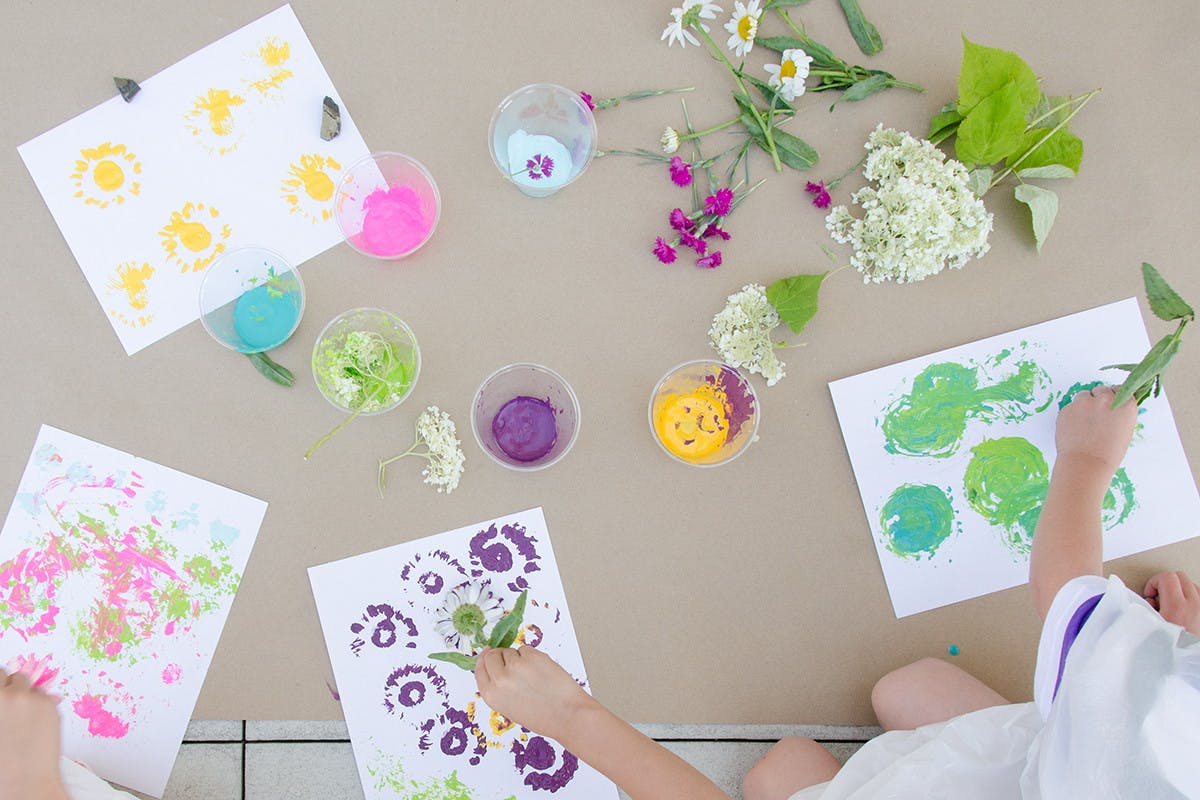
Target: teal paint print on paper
[916, 520]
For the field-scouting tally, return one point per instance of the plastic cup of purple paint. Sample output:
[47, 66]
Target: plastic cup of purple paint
[525, 417]
[704, 413]
[387, 205]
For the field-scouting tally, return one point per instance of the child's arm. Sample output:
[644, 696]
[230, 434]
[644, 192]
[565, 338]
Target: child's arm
[528, 687]
[28, 742]
[1091, 439]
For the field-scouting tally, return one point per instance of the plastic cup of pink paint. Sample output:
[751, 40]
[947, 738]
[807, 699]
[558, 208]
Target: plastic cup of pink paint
[525, 417]
[387, 205]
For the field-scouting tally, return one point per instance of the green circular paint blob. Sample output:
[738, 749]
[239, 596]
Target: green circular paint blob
[1119, 501]
[916, 519]
[1075, 389]
[1006, 482]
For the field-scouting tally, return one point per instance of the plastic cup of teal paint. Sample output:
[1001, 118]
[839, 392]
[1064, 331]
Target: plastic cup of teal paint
[542, 138]
[251, 299]
[704, 413]
[525, 417]
[387, 205]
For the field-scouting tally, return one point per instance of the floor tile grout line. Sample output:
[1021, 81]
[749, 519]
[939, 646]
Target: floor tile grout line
[243, 760]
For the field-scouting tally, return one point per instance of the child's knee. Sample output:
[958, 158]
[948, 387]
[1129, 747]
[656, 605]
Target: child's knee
[791, 764]
[896, 687]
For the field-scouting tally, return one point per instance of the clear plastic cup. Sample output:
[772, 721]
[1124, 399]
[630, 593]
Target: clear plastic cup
[514, 411]
[387, 205]
[542, 138]
[704, 413]
[389, 352]
[251, 299]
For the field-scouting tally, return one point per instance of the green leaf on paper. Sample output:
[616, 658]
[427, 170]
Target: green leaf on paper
[943, 126]
[865, 88]
[795, 298]
[1063, 148]
[1048, 172]
[457, 659]
[993, 128]
[1043, 204]
[1142, 378]
[1165, 302]
[986, 70]
[505, 632]
[865, 34]
[979, 180]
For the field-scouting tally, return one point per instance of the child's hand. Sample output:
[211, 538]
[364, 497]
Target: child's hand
[29, 741]
[531, 689]
[1176, 598]
[1090, 430]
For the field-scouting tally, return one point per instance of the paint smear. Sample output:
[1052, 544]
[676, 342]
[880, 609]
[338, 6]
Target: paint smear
[1119, 501]
[101, 722]
[395, 222]
[1006, 482]
[931, 419]
[387, 773]
[916, 520]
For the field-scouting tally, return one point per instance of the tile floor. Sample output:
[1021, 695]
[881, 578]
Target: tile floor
[249, 760]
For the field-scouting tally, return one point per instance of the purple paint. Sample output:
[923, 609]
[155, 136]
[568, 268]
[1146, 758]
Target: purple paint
[524, 428]
[739, 403]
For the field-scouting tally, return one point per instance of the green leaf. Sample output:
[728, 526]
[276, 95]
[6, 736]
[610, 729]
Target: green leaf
[276, 372]
[865, 88]
[1043, 204]
[782, 4]
[1063, 148]
[1125, 367]
[795, 298]
[768, 92]
[1041, 111]
[865, 34]
[1048, 172]
[979, 180]
[1144, 374]
[505, 632]
[792, 151]
[943, 126]
[993, 128]
[457, 659]
[1165, 302]
[986, 70]
[822, 56]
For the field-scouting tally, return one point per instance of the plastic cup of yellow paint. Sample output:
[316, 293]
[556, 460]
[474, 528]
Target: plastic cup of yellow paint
[251, 299]
[542, 137]
[387, 205]
[704, 413]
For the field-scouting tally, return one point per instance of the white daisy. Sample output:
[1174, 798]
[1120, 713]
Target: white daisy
[684, 17]
[669, 140]
[743, 27]
[468, 613]
[675, 32]
[788, 75]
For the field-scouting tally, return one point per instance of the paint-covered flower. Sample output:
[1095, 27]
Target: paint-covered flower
[681, 172]
[710, 261]
[539, 166]
[587, 98]
[663, 251]
[681, 221]
[467, 615]
[789, 74]
[743, 27]
[719, 204]
[820, 191]
[741, 333]
[669, 140]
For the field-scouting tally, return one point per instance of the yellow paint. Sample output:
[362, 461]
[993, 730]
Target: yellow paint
[274, 81]
[205, 240]
[694, 425]
[212, 120]
[273, 52]
[501, 724]
[310, 185]
[100, 175]
[131, 279]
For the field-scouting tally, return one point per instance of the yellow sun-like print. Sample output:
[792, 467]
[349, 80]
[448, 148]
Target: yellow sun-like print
[129, 283]
[194, 237]
[308, 187]
[498, 731]
[273, 55]
[105, 175]
[213, 121]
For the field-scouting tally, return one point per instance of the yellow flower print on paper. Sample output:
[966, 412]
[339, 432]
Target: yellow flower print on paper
[213, 121]
[194, 237]
[273, 54]
[308, 187]
[104, 175]
[128, 282]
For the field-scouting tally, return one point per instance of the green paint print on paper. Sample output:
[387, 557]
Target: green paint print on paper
[1119, 501]
[388, 774]
[916, 519]
[931, 419]
[1069, 394]
[1006, 482]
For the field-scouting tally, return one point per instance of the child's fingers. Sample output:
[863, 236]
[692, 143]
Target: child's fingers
[1190, 591]
[1170, 591]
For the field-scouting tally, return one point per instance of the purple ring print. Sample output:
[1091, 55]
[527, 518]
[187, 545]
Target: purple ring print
[433, 574]
[382, 620]
[506, 556]
[551, 767]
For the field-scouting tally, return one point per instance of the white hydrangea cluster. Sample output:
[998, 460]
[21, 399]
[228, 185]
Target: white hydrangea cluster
[446, 460]
[741, 333]
[922, 218]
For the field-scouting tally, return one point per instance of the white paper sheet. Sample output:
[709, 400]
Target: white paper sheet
[121, 573]
[418, 726]
[220, 150]
[952, 477]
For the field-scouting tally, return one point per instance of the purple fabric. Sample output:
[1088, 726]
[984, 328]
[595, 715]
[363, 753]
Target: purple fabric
[1078, 619]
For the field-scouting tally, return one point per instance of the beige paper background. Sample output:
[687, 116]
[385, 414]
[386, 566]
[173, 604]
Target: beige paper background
[748, 593]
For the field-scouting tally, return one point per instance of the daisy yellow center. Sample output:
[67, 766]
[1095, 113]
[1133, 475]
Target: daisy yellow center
[787, 69]
[468, 619]
[108, 175]
[746, 28]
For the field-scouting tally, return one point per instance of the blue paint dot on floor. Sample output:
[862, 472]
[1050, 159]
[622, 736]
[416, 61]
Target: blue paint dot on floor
[953, 650]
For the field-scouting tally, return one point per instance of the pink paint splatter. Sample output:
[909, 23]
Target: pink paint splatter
[38, 669]
[172, 673]
[100, 722]
[395, 222]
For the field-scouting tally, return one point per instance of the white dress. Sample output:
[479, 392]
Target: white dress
[81, 784]
[1107, 662]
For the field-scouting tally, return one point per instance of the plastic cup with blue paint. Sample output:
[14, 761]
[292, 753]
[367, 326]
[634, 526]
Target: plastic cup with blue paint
[542, 138]
[251, 300]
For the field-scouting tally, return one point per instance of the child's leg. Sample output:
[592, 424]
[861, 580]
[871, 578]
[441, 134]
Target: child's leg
[928, 691]
[793, 764]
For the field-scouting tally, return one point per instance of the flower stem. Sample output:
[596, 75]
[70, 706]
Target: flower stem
[757, 114]
[333, 432]
[614, 101]
[1013, 167]
[713, 129]
[383, 462]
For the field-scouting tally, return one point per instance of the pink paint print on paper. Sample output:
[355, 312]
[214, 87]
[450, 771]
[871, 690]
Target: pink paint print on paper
[116, 575]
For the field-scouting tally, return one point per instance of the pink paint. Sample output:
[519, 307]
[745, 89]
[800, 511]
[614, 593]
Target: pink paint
[100, 721]
[395, 222]
[172, 673]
